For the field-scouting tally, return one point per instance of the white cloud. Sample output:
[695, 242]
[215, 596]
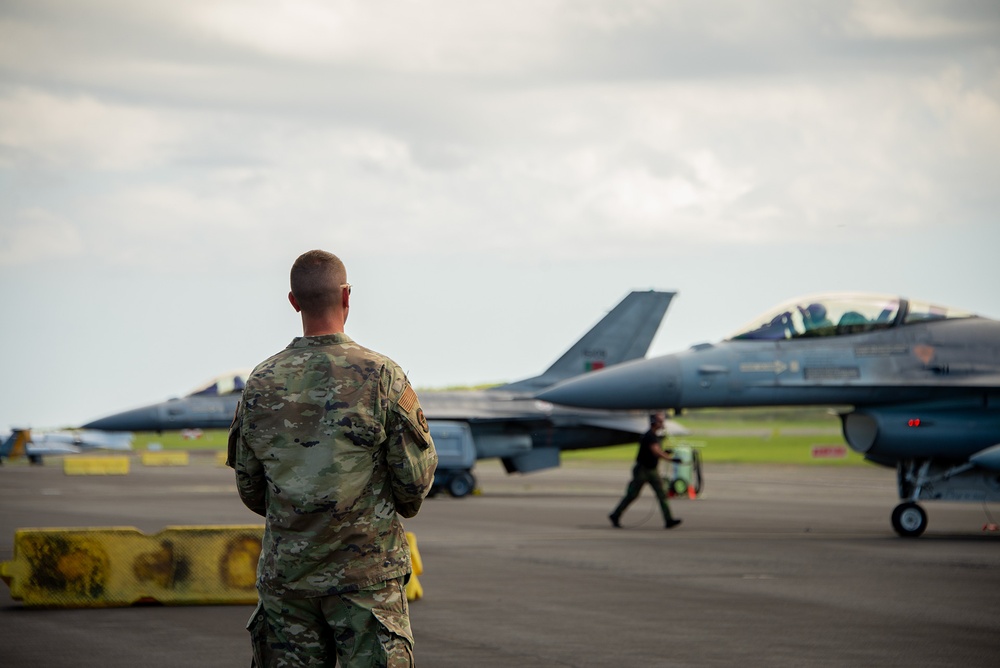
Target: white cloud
[969, 113]
[81, 132]
[38, 237]
[903, 19]
[637, 198]
[442, 37]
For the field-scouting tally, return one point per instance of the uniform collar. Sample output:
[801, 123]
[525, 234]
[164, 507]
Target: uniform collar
[324, 340]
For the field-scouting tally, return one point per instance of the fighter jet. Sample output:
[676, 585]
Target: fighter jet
[211, 405]
[505, 421]
[918, 386]
[36, 445]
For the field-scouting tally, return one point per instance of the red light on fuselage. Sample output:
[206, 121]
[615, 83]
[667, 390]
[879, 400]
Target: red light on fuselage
[914, 422]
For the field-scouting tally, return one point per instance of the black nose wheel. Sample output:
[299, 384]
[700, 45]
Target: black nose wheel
[909, 520]
[461, 484]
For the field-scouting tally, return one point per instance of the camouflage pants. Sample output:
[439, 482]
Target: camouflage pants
[366, 628]
[641, 476]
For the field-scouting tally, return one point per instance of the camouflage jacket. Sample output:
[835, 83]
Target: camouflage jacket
[330, 445]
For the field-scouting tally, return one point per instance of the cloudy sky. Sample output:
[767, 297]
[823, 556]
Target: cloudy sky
[495, 175]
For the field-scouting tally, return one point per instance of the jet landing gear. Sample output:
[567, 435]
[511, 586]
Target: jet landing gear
[457, 482]
[915, 477]
[909, 520]
[938, 480]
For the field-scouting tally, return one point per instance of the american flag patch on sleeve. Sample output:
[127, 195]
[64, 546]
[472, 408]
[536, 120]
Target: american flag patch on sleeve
[408, 400]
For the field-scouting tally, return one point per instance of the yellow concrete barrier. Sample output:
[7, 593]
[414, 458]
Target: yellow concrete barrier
[100, 465]
[414, 590]
[160, 458]
[120, 566]
[220, 458]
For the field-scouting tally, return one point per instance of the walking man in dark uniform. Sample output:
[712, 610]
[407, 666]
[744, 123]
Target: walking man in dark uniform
[649, 455]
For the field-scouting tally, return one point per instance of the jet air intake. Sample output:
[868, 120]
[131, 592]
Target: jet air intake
[931, 430]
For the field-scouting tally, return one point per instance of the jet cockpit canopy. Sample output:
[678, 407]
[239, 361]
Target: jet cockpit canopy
[841, 313]
[231, 382]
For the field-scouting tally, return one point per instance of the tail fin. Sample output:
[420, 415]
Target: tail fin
[15, 444]
[623, 334]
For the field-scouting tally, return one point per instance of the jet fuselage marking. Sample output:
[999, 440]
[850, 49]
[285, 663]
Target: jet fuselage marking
[777, 367]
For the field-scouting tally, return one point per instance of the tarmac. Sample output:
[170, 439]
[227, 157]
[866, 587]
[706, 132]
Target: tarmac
[773, 566]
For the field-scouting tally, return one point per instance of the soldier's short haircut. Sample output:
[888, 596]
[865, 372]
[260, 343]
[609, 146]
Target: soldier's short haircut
[316, 278]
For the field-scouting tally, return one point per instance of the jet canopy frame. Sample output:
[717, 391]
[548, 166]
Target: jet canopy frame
[837, 314]
[231, 382]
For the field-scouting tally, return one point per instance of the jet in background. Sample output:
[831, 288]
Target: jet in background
[527, 435]
[507, 421]
[22, 442]
[210, 406]
[920, 383]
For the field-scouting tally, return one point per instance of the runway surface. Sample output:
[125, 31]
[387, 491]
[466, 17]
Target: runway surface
[773, 566]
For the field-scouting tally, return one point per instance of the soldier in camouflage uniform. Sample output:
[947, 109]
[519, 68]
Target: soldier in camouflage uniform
[330, 445]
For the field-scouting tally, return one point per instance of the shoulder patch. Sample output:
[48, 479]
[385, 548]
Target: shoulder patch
[409, 411]
[408, 400]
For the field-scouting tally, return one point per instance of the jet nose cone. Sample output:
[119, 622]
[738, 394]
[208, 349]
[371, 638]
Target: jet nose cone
[137, 419]
[642, 384]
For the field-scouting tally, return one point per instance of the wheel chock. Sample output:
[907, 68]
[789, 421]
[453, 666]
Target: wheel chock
[414, 590]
